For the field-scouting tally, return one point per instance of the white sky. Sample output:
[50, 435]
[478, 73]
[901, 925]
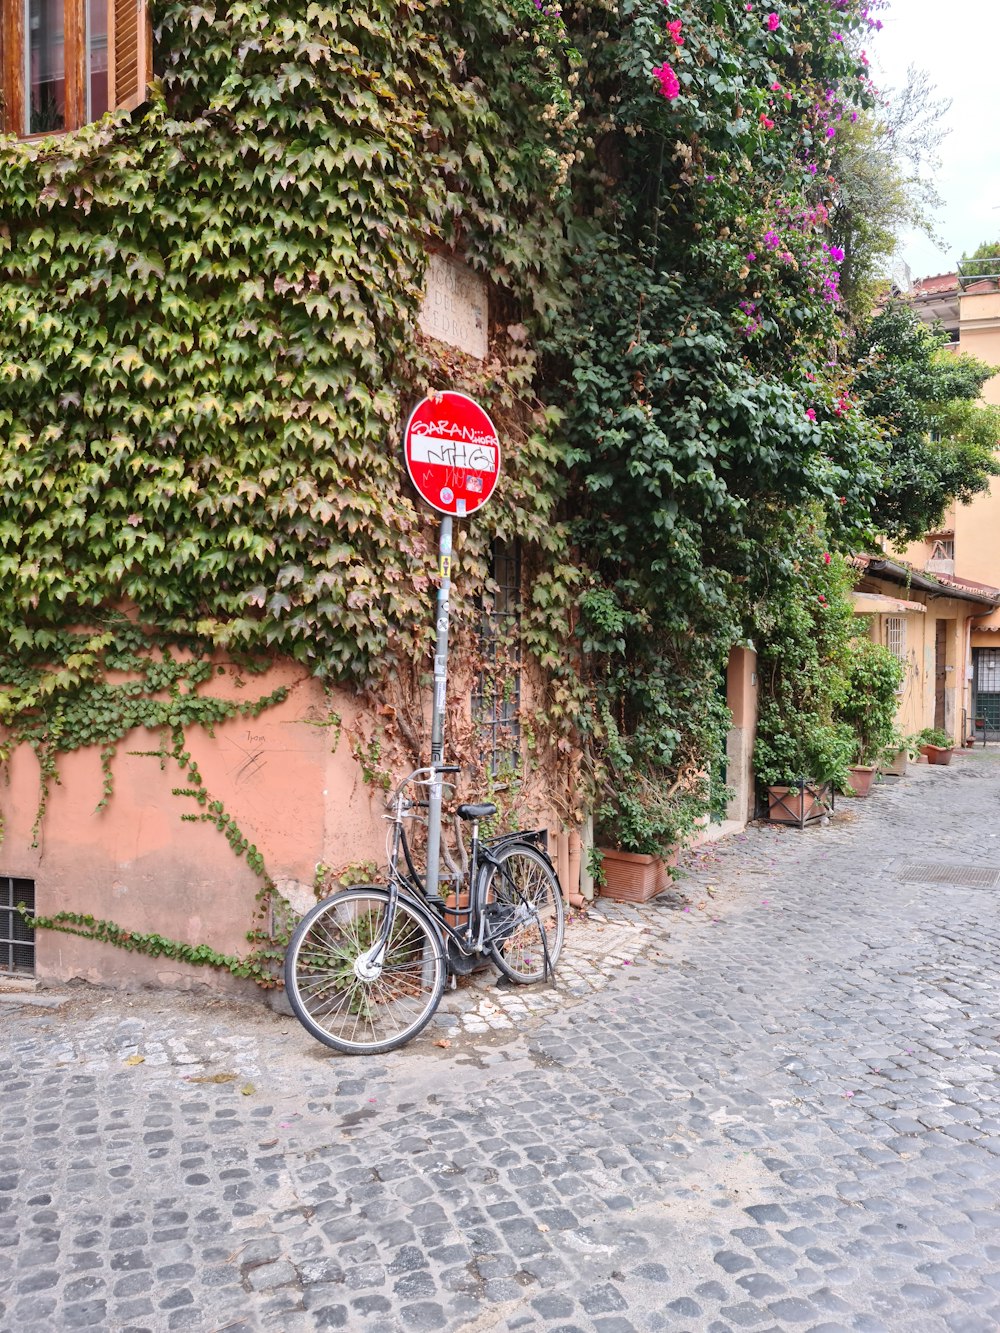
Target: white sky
[958, 43]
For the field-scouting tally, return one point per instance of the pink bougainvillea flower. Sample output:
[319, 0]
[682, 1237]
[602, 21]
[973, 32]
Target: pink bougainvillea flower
[821, 599]
[811, 413]
[766, 121]
[667, 79]
[827, 557]
[773, 21]
[675, 32]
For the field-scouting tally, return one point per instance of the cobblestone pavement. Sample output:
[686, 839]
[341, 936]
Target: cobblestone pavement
[767, 1101]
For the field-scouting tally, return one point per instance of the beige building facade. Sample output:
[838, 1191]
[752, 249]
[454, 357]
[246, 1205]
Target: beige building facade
[928, 622]
[966, 549]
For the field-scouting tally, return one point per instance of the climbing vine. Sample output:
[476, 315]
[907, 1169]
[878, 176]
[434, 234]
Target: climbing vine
[209, 337]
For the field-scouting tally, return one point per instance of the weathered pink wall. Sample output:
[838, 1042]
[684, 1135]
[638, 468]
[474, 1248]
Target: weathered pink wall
[137, 863]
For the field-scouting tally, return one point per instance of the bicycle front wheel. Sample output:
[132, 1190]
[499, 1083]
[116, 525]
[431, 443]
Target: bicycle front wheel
[336, 993]
[524, 912]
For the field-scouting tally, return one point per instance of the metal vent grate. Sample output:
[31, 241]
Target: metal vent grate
[17, 938]
[972, 877]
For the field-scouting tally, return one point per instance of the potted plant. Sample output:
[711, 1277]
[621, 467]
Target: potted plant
[893, 760]
[874, 676]
[935, 745]
[801, 768]
[803, 632]
[639, 831]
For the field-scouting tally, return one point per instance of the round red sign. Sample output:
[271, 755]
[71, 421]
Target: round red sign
[452, 453]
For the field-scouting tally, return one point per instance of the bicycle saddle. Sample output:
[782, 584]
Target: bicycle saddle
[476, 811]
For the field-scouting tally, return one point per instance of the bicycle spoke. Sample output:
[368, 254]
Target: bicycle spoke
[344, 1009]
[525, 914]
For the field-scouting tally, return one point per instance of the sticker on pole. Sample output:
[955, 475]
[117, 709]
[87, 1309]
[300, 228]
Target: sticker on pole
[452, 453]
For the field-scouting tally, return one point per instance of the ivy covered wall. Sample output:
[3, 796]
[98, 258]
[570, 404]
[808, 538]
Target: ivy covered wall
[208, 339]
[207, 324]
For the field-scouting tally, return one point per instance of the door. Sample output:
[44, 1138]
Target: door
[940, 672]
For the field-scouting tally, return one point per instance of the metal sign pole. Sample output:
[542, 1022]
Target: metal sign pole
[437, 716]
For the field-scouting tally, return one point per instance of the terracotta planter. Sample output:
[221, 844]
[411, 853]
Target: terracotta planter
[794, 805]
[896, 768]
[937, 754]
[632, 878]
[862, 777]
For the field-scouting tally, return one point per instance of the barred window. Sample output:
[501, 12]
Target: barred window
[895, 636]
[943, 548]
[17, 938]
[496, 696]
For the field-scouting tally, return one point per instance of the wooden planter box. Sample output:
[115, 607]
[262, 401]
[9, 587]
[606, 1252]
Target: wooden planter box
[801, 804]
[897, 768]
[937, 754]
[633, 878]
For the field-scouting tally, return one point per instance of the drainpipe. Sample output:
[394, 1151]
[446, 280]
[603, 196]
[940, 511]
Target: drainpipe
[586, 847]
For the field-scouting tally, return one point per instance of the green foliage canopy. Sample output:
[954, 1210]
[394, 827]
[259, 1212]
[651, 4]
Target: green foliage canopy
[700, 379]
[942, 445]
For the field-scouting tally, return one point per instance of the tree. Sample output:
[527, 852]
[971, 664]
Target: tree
[942, 445]
[984, 262]
[881, 186]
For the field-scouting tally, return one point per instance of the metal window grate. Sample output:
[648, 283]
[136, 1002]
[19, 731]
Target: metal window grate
[895, 636]
[17, 938]
[971, 877]
[496, 696]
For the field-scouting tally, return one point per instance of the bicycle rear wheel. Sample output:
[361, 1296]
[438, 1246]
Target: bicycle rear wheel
[524, 911]
[326, 985]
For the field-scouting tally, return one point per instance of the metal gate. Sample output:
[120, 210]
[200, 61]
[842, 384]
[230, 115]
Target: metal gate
[986, 691]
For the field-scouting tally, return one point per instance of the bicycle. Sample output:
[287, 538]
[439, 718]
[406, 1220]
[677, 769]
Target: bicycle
[366, 968]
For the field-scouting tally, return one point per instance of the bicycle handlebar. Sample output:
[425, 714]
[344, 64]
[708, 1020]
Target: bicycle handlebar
[424, 777]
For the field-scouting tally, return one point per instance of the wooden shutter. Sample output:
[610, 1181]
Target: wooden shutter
[129, 53]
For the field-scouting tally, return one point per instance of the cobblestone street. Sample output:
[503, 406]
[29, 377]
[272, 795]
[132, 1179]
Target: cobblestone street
[766, 1101]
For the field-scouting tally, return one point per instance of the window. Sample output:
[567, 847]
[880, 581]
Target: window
[65, 62]
[895, 636]
[496, 696]
[17, 938]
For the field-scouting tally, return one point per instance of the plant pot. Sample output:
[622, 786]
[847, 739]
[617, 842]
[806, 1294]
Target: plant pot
[862, 777]
[937, 754]
[896, 768]
[634, 878]
[799, 805]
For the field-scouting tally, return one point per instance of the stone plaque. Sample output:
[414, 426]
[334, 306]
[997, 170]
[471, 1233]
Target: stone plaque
[454, 308]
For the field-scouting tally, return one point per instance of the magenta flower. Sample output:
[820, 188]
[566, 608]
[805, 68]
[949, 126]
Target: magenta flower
[773, 21]
[675, 32]
[811, 413]
[668, 81]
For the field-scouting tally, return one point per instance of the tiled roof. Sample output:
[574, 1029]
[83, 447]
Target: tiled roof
[937, 285]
